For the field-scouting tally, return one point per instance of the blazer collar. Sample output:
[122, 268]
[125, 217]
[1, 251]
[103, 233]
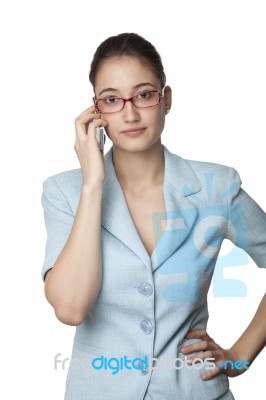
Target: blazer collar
[180, 182]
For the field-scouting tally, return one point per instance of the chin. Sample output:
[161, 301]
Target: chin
[132, 146]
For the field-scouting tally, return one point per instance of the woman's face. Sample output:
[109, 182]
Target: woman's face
[125, 77]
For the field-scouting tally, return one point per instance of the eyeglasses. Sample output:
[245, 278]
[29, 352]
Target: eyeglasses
[113, 104]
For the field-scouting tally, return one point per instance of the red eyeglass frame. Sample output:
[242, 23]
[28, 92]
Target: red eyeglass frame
[95, 101]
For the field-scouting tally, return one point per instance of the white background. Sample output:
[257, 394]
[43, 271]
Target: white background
[214, 55]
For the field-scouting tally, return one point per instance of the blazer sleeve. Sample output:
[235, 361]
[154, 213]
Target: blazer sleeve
[58, 218]
[246, 221]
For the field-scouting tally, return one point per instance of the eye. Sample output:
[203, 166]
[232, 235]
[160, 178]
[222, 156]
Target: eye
[144, 95]
[111, 99]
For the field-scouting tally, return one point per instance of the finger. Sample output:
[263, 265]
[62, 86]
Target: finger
[199, 333]
[203, 355]
[211, 373]
[196, 333]
[86, 118]
[96, 123]
[90, 132]
[202, 345]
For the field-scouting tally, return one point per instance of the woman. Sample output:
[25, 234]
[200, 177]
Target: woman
[132, 242]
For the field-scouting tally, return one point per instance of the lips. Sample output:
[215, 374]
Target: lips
[133, 131]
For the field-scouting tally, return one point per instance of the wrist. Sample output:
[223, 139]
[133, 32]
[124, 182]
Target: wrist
[92, 186]
[237, 354]
[236, 363]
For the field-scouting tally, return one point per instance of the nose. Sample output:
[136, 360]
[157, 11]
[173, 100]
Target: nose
[130, 112]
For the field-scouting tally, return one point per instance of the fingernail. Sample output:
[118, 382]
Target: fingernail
[185, 351]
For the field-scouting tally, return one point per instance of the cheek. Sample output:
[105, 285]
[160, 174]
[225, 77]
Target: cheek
[160, 121]
[154, 119]
[112, 127]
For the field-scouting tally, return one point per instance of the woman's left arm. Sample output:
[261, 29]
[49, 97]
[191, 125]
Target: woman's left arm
[246, 348]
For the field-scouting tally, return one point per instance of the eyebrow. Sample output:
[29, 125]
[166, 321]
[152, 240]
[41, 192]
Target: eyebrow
[134, 87]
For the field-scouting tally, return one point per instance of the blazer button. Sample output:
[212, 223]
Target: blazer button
[145, 289]
[143, 371]
[146, 326]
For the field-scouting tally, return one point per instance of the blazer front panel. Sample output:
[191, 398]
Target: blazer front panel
[146, 305]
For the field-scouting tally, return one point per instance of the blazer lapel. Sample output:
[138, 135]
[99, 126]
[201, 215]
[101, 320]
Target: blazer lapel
[116, 217]
[180, 182]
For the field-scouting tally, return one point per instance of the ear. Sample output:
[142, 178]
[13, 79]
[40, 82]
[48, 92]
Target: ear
[167, 99]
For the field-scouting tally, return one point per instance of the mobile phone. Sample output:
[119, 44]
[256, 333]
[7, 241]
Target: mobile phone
[100, 137]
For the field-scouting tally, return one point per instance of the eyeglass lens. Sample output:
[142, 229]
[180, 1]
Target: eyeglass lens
[113, 104]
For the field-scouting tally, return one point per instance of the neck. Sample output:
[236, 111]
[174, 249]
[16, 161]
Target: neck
[141, 170]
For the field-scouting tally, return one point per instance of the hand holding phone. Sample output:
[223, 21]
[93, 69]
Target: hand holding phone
[89, 127]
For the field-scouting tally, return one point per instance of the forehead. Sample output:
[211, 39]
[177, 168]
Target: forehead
[123, 73]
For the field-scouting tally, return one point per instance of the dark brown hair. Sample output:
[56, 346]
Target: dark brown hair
[127, 44]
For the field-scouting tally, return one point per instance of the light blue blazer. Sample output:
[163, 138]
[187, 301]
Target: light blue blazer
[146, 305]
